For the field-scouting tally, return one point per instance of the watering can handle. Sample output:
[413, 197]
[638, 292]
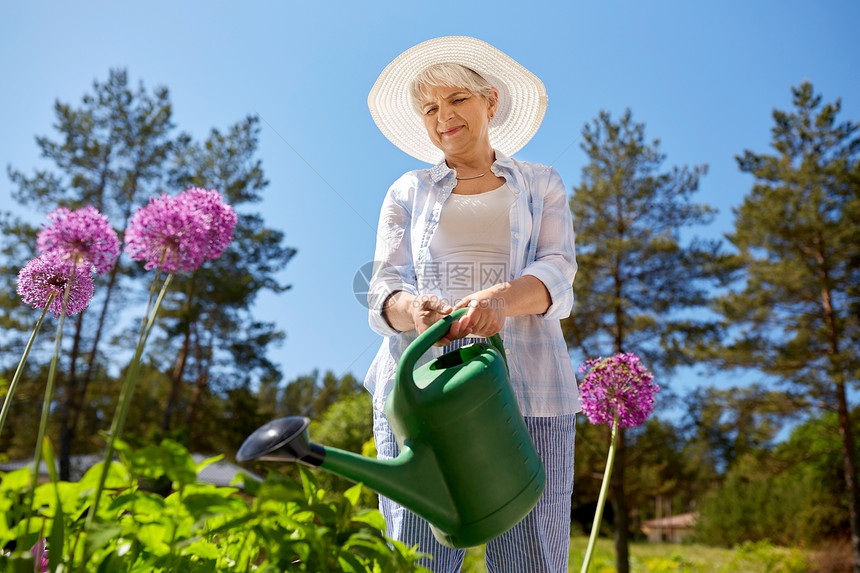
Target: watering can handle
[430, 337]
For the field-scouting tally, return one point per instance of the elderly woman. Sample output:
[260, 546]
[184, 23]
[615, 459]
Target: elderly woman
[483, 230]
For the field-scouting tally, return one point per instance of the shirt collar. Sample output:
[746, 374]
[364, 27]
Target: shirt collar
[441, 170]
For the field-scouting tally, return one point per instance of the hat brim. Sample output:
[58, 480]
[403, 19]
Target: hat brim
[522, 96]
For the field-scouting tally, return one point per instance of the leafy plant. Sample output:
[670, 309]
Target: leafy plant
[273, 525]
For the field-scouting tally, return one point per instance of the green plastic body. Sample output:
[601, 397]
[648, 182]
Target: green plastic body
[467, 463]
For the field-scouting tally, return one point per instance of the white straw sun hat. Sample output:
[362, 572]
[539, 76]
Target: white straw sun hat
[522, 96]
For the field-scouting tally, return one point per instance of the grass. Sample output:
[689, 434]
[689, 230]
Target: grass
[759, 557]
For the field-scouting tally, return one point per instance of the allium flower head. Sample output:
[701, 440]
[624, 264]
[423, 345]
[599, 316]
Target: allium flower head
[220, 218]
[180, 232]
[49, 274]
[40, 555]
[617, 384]
[83, 234]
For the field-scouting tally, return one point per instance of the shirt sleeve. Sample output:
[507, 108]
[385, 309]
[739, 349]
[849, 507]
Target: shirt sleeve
[393, 267]
[555, 255]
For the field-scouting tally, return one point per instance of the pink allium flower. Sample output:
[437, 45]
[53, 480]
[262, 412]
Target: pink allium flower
[220, 218]
[48, 274]
[180, 232]
[617, 384]
[85, 234]
[40, 555]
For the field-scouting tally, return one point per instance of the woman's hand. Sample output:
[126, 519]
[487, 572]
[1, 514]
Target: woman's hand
[427, 310]
[488, 309]
[486, 315]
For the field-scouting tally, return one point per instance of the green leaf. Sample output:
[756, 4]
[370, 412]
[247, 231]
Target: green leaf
[202, 550]
[50, 460]
[250, 485]
[118, 477]
[100, 535]
[234, 524]
[369, 546]
[350, 563]
[56, 539]
[208, 462]
[16, 481]
[199, 504]
[169, 459]
[310, 485]
[277, 488]
[153, 536]
[371, 517]
[353, 493]
[140, 503]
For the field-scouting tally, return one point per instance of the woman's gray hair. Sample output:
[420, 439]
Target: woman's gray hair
[449, 75]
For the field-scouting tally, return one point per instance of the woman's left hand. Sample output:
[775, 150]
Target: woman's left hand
[486, 316]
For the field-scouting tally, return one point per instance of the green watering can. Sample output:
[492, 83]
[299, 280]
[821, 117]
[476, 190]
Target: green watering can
[467, 463]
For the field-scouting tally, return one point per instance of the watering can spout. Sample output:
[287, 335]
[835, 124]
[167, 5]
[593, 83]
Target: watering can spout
[396, 479]
[286, 440]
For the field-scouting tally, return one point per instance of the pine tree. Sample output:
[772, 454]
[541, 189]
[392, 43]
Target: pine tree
[111, 153]
[797, 315]
[636, 279]
[218, 344]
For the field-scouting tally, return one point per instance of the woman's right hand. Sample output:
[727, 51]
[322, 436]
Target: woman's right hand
[427, 310]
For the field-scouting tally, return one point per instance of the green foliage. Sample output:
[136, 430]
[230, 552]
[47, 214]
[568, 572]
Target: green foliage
[759, 557]
[629, 215]
[774, 559]
[791, 495]
[276, 525]
[749, 507]
[346, 424]
[796, 315]
[798, 236]
[728, 423]
[308, 396]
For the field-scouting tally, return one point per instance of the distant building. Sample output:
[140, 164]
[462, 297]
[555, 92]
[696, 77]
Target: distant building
[674, 529]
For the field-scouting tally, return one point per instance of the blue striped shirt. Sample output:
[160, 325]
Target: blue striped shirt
[542, 245]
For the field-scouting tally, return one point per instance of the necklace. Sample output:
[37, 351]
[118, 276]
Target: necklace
[473, 177]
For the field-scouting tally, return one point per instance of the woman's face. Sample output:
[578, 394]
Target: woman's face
[456, 119]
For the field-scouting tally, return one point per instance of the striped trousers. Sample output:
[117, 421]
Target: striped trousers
[538, 544]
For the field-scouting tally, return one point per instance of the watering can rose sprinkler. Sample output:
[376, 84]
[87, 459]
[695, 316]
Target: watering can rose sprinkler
[467, 464]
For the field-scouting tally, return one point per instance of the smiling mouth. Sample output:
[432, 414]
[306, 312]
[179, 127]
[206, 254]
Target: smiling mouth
[451, 131]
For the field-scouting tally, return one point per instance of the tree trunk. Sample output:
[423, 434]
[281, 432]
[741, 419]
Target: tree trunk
[176, 382]
[850, 470]
[619, 497]
[619, 508]
[181, 360]
[845, 425]
[203, 356]
[200, 383]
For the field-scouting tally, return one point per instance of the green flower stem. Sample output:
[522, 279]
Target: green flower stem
[7, 403]
[49, 397]
[601, 500]
[143, 331]
[126, 392]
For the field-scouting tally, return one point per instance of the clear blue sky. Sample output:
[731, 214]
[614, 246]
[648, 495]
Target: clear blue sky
[703, 76]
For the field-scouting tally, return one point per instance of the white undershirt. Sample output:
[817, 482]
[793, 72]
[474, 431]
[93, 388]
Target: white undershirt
[471, 248]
